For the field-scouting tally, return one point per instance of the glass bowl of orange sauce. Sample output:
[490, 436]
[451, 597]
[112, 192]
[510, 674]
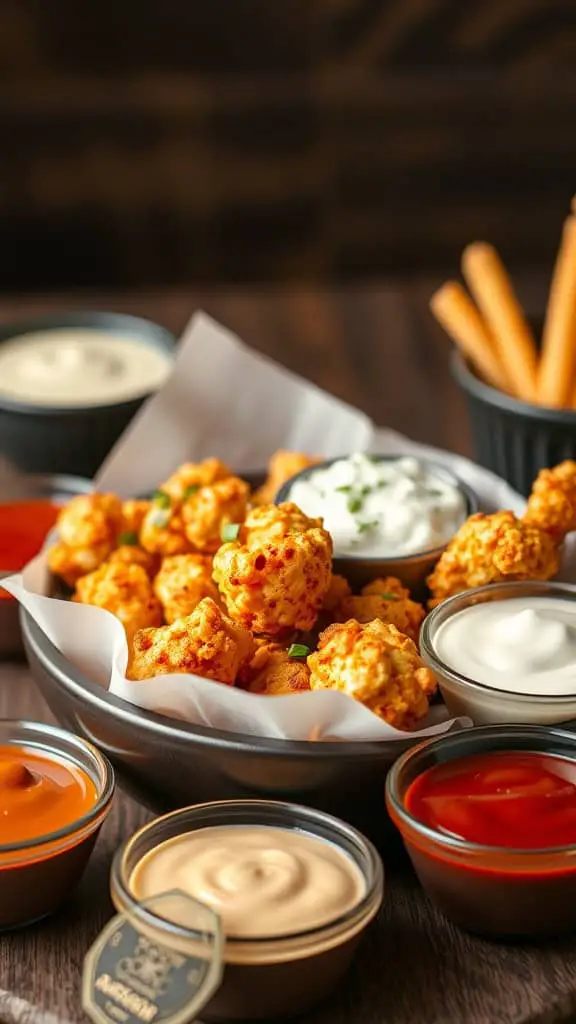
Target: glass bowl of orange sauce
[29, 506]
[488, 818]
[56, 790]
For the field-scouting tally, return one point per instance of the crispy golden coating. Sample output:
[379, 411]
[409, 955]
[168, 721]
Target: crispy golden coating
[207, 510]
[90, 521]
[552, 503]
[275, 587]
[162, 531]
[184, 581]
[388, 607]
[274, 522]
[281, 467]
[205, 643]
[377, 665]
[132, 554]
[491, 549]
[70, 564]
[338, 589]
[124, 590]
[386, 585]
[272, 671]
[195, 474]
[133, 515]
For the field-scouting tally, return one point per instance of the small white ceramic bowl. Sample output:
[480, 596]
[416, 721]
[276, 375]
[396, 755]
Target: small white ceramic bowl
[487, 705]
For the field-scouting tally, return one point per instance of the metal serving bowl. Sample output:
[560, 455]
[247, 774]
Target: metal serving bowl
[411, 570]
[169, 764]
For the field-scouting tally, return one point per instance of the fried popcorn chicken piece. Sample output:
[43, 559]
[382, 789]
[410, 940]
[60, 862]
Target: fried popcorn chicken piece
[490, 549]
[184, 581]
[338, 589]
[162, 531]
[386, 585]
[388, 607]
[205, 643]
[552, 503]
[377, 665]
[274, 522]
[132, 554]
[90, 521]
[281, 467]
[195, 474]
[274, 672]
[70, 564]
[124, 590]
[133, 515]
[206, 510]
[277, 586]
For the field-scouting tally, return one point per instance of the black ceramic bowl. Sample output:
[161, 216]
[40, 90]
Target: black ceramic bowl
[412, 570]
[169, 764]
[42, 439]
[514, 439]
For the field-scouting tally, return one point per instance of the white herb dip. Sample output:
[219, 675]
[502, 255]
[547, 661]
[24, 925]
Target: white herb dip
[80, 367]
[385, 508]
[521, 644]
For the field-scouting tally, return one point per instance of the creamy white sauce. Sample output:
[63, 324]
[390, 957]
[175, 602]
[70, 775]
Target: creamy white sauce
[261, 880]
[523, 644]
[383, 508]
[76, 367]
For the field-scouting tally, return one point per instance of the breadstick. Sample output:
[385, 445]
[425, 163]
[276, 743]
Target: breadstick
[493, 291]
[458, 315]
[558, 360]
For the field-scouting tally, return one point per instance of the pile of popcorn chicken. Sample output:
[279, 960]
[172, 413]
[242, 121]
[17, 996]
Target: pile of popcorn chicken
[210, 579]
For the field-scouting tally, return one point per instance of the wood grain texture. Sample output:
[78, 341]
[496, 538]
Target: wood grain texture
[379, 349]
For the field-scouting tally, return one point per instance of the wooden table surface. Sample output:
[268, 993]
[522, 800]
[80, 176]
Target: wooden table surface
[377, 349]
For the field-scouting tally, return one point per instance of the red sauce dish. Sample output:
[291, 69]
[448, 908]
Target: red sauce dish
[29, 508]
[488, 817]
[23, 528]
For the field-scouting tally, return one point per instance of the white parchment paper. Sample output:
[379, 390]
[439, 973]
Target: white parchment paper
[224, 400]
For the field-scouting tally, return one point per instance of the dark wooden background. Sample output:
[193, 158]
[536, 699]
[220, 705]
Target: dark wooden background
[236, 140]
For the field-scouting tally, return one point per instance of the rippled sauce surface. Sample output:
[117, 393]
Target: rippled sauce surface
[40, 794]
[262, 881]
[515, 800]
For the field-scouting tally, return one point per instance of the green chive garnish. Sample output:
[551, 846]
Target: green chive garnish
[298, 651]
[354, 504]
[363, 527]
[344, 489]
[390, 597]
[162, 500]
[190, 491]
[229, 532]
[129, 539]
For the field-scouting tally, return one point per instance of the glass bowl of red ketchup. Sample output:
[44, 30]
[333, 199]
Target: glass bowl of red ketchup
[488, 818]
[29, 507]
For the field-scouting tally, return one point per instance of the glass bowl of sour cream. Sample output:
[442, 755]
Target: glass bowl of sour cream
[506, 652]
[388, 515]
